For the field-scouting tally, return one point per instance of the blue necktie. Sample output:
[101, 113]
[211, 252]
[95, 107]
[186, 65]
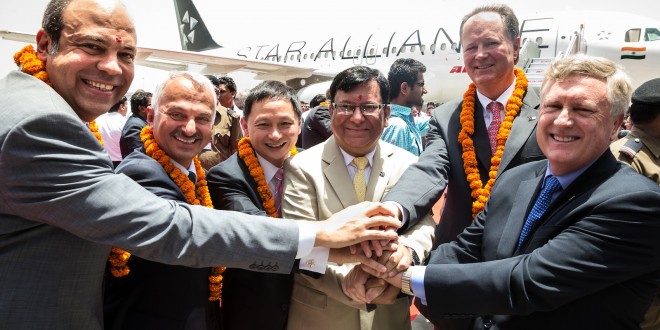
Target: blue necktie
[541, 205]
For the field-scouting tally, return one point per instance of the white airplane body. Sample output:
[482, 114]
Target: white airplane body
[633, 41]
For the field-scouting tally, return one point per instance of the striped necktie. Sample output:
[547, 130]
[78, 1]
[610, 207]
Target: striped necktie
[276, 182]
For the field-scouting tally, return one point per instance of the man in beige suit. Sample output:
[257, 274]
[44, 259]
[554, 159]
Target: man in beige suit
[351, 166]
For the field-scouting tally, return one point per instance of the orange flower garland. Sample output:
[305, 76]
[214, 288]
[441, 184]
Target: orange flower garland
[247, 154]
[480, 192]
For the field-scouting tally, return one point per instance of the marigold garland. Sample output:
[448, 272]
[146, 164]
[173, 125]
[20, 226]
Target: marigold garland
[28, 62]
[248, 156]
[480, 192]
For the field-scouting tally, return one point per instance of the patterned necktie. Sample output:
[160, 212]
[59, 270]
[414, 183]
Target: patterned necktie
[495, 108]
[192, 177]
[359, 182]
[276, 182]
[541, 204]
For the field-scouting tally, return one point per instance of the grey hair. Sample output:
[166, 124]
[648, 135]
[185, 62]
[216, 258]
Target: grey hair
[200, 82]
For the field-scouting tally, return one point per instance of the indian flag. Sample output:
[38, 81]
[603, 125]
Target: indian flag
[633, 53]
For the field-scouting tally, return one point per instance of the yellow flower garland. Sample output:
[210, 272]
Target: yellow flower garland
[480, 192]
[246, 153]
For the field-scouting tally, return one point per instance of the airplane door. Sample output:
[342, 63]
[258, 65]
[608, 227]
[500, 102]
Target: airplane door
[544, 32]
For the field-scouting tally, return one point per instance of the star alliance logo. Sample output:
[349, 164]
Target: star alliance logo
[188, 33]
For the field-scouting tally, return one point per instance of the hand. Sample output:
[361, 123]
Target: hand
[355, 224]
[387, 294]
[392, 280]
[344, 255]
[368, 246]
[354, 282]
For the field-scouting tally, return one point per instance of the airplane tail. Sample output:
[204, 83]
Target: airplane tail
[192, 30]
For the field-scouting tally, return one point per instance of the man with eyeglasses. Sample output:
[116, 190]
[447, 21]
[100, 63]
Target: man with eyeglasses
[353, 165]
[407, 89]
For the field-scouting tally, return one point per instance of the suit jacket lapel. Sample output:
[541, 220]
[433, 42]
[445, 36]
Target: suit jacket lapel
[523, 127]
[513, 227]
[336, 173]
[380, 173]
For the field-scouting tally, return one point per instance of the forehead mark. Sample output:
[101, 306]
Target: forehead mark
[118, 38]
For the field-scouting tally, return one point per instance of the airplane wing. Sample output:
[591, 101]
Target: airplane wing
[297, 76]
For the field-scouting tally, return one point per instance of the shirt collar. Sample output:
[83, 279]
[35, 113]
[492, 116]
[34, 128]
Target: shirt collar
[185, 171]
[348, 159]
[503, 98]
[566, 179]
[268, 167]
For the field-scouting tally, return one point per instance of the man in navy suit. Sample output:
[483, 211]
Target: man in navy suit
[582, 255]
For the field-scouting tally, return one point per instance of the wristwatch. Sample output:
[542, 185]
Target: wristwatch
[415, 257]
[406, 282]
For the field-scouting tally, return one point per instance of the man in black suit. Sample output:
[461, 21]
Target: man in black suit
[316, 127]
[491, 44]
[565, 243]
[153, 294]
[130, 134]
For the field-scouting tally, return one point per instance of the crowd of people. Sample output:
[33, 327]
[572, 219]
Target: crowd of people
[211, 207]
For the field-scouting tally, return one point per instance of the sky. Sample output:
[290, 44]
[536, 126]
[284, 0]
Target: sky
[249, 22]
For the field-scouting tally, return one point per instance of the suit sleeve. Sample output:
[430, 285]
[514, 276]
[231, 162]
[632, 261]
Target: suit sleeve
[322, 122]
[230, 191]
[130, 140]
[610, 242]
[54, 172]
[423, 183]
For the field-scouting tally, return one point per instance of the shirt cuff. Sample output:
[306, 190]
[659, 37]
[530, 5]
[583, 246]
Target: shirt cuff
[404, 213]
[417, 282]
[306, 239]
[315, 261]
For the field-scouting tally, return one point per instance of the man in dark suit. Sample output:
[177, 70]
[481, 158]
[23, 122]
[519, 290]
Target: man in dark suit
[63, 207]
[491, 43]
[156, 295]
[567, 243]
[271, 117]
[130, 134]
[316, 127]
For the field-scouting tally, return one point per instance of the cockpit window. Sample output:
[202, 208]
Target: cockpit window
[651, 34]
[633, 35]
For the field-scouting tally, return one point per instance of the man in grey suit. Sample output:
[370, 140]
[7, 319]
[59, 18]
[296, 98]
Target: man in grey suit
[567, 243]
[63, 208]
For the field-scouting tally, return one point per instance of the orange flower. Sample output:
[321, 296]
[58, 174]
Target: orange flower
[29, 63]
[246, 153]
[480, 192]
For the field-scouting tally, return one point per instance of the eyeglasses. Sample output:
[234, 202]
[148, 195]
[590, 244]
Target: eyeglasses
[349, 109]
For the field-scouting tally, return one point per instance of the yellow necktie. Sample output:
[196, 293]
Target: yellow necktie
[359, 182]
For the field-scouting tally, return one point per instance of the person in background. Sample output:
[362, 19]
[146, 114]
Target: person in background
[407, 90]
[130, 134]
[110, 126]
[63, 208]
[226, 128]
[316, 127]
[641, 150]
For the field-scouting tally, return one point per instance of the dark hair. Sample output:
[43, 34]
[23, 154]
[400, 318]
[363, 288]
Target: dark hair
[53, 23]
[355, 76]
[116, 106]
[218, 80]
[403, 70]
[271, 89]
[316, 100]
[139, 98]
[509, 19]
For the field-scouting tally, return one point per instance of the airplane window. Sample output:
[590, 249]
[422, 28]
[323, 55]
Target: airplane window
[443, 46]
[305, 56]
[358, 52]
[325, 55]
[372, 51]
[422, 48]
[348, 53]
[412, 49]
[433, 47]
[279, 58]
[652, 34]
[312, 57]
[393, 50]
[454, 46]
[384, 50]
[403, 49]
[633, 35]
[539, 40]
[341, 53]
[298, 57]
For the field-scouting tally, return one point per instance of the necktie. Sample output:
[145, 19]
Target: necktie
[541, 204]
[495, 108]
[276, 182]
[192, 177]
[359, 182]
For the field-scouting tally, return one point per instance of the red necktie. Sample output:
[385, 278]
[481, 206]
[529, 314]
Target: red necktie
[495, 108]
[276, 181]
